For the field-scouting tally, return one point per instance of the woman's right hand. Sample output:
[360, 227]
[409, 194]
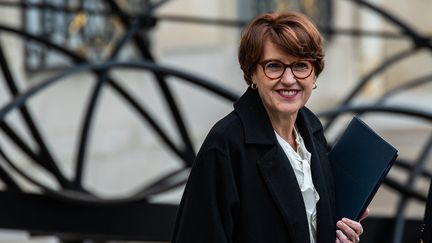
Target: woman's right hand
[349, 230]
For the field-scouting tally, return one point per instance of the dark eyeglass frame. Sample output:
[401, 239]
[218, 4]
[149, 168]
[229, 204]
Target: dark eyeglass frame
[265, 62]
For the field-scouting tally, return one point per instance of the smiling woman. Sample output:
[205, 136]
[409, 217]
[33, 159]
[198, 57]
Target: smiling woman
[262, 174]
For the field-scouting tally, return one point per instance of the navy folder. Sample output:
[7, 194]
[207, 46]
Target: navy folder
[360, 160]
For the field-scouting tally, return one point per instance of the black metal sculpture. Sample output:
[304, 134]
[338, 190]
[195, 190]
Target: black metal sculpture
[91, 217]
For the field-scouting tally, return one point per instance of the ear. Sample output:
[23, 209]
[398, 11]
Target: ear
[253, 77]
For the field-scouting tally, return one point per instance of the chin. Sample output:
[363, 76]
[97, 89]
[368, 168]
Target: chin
[288, 110]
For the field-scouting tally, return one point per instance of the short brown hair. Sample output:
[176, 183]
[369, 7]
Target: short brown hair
[292, 32]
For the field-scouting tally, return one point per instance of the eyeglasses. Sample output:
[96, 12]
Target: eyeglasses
[274, 69]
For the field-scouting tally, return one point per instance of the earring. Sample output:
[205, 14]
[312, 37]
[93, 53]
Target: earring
[314, 85]
[253, 86]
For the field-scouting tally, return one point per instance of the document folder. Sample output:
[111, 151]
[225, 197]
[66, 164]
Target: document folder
[360, 160]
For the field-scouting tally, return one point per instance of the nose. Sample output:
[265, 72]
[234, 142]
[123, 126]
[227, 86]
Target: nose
[288, 76]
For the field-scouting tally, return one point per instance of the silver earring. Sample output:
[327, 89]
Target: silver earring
[253, 86]
[314, 85]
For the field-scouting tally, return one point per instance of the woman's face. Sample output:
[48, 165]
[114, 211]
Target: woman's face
[285, 95]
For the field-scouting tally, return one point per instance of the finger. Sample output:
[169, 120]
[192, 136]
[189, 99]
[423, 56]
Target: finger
[356, 226]
[365, 214]
[341, 237]
[348, 231]
[344, 238]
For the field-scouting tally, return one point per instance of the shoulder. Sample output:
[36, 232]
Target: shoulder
[214, 160]
[226, 131]
[311, 118]
[313, 124]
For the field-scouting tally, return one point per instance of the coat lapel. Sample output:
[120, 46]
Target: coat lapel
[283, 187]
[325, 222]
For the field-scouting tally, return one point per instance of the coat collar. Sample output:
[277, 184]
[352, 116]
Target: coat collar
[256, 122]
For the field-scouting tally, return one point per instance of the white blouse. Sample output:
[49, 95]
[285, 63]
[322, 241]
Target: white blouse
[300, 162]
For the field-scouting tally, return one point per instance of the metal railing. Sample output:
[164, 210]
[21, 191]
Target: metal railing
[98, 218]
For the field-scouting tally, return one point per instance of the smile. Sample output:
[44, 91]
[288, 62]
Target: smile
[288, 93]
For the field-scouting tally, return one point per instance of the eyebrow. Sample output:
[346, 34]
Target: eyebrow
[278, 60]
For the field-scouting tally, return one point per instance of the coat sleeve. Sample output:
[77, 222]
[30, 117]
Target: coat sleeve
[207, 209]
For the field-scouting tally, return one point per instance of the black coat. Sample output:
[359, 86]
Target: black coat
[242, 187]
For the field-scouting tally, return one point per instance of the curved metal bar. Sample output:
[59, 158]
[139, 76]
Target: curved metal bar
[7, 179]
[202, 20]
[401, 163]
[78, 59]
[72, 55]
[117, 87]
[131, 32]
[191, 78]
[77, 181]
[413, 83]
[165, 183]
[352, 32]
[44, 5]
[421, 114]
[184, 155]
[102, 79]
[365, 79]
[142, 45]
[20, 143]
[65, 195]
[404, 190]
[240, 23]
[47, 160]
[379, 69]
[75, 58]
[418, 40]
[197, 20]
[200, 82]
[206, 21]
[21, 99]
[418, 168]
[147, 117]
[49, 191]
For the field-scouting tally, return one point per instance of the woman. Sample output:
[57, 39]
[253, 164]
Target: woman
[262, 174]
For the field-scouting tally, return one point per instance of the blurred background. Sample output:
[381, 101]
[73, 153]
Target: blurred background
[103, 105]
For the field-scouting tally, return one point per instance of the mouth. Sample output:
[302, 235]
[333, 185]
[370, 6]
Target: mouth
[288, 93]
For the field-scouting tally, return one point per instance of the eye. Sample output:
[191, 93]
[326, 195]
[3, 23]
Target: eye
[302, 66]
[274, 66]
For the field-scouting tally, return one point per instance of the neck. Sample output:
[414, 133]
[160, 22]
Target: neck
[284, 126]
